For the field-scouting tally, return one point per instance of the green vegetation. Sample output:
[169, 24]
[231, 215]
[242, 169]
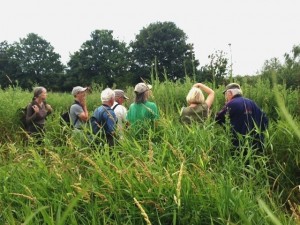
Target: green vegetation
[173, 175]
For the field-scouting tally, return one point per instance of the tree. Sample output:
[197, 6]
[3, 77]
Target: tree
[102, 59]
[36, 63]
[288, 72]
[291, 69]
[163, 45]
[216, 70]
[4, 65]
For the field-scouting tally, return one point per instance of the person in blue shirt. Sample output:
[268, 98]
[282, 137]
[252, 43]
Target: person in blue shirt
[244, 116]
[104, 119]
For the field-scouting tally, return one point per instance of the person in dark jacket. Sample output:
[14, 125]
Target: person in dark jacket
[36, 114]
[245, 117]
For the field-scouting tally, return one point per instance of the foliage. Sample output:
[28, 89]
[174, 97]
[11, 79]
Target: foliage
[5, 67]
[288, 72]
[176, 174]
[163, 45]
[102, 59]
[216, 70]
[35, 63]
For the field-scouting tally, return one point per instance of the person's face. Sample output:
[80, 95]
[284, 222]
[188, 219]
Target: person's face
[81, 95]
[120, 100]
[43, 95]
[148, 94]
[228, 95]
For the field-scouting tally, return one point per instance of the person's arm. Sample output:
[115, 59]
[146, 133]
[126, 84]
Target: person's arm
[211, 94]
[220, 117]
[48, 108]
[84, 115]
[31, 112]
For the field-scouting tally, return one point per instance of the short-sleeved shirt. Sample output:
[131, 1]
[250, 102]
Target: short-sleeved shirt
[142, 111]
[197, 114]
[75, 110]
[120, 112]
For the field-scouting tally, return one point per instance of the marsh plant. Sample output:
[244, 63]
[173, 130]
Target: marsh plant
[174, 174]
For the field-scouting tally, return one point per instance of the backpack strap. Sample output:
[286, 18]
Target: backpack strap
[113, 108]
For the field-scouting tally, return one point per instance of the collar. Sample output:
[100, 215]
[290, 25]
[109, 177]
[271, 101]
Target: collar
[237, 96]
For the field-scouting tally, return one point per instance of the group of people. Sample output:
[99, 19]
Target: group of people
[246, 119]
[110, 118]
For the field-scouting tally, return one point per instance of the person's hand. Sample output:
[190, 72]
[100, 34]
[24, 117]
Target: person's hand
[48, 108]
[83, 101]
[197, 85]
[35, 108]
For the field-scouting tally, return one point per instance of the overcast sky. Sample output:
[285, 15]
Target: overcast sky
[257, 29]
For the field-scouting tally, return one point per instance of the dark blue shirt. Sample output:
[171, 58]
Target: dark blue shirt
[107, 118]
[243, 114]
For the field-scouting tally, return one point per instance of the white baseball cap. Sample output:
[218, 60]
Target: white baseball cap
[78, 89]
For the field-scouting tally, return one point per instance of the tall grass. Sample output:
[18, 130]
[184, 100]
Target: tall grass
[175, 174]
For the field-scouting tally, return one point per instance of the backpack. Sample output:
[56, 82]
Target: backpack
[21, 114]
[95, 123]
[65, 117]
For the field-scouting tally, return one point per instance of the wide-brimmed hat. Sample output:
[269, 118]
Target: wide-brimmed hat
[120, 93]
[78, 89]
[232, 86]
[142, 87]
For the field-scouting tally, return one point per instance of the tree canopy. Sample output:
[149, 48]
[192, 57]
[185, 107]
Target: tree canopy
[164, 46]
[36, 62]
[102, 59]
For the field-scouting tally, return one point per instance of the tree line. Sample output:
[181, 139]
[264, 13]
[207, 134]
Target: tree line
[161, 47]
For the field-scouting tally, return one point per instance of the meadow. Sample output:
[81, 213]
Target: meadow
[173, 175]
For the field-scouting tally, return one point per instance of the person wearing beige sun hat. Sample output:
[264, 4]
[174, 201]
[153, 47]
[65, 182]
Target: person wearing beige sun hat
[142, 109]
[118, 107]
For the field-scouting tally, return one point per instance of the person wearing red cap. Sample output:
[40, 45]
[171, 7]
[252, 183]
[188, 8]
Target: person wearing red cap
[244, 116]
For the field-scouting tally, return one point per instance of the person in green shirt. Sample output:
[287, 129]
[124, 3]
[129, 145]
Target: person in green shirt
[142, 110]
[198, 107]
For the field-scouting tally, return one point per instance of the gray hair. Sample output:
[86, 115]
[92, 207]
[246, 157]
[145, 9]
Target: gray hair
[37, 91]
[235, 91]
[107, 94]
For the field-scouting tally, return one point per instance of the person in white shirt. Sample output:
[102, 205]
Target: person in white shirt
[119, 109]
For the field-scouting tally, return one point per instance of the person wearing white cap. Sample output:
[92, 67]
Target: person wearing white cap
[79, 114]
[142, 109]
[118, 107]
